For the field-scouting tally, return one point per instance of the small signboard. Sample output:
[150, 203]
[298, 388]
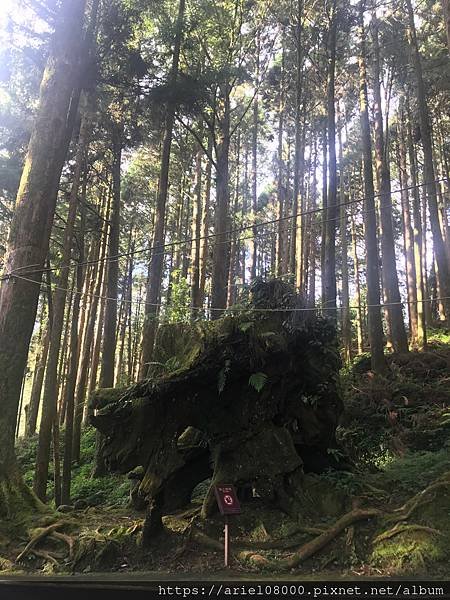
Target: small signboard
[227, 499]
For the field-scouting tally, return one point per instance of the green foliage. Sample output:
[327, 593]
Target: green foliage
[111, 490]
[179, 309]
[386, 417]
[257, 381]
[439, 337]
[415, 470]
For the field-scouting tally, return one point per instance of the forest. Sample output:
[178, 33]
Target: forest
[225, 259]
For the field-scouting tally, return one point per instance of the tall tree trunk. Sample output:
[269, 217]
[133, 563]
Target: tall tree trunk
[30, 235]
[296, 201]
[428, 166]
[153, 291]
[359, 311]
[121, 370]
[255, 131]
[313, 232]
[38, 380]
[330, 290]
[95, 358]
[280, 265]
[196, 234]
[323, 243]
[112, 280]
[56, 460]
[411, 281]
[370, 230]
[418, 237]
[346, 322]
[112, 273]
[63, 358]
[49, 402]
[205, 225]
[221, 241]
[446, 11]
[245, 195]
[80, 393]
[396, 324]
[233, 270]
[73, 363]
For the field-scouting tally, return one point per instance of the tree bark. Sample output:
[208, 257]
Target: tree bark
[324, 209]
[410, 267]
[221, 239]
[346, 321]
[396, 324]
[280, 257]
[81, 384]
[233, 270]
[255, 128]
[329, 285]
[359, 311]
[418, 242]
[38, 380]
[73, 363]
[49, 402]
[370, 230]
[446, 11]
[30, 229]
[428, 166]
[157, 255]
[296, 200]
[205, 225]
[121, 370]
[112, 273]
[196, 300]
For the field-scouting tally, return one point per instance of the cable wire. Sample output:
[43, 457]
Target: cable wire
[253, 226]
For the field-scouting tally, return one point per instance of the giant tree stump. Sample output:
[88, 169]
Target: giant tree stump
[245, 397]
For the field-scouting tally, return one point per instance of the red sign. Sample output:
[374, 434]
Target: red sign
[227, 499]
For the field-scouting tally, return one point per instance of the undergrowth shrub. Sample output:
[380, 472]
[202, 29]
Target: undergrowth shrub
[112, 490]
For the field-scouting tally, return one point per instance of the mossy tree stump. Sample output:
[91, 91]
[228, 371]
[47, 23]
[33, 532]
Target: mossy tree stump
[258, 390]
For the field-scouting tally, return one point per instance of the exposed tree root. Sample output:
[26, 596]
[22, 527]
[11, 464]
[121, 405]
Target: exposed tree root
[312, 547]
[325, 536]
[39, 536]
[49, 557]
[280, 544]
[17, 500]
[65, 538]
[402, 528]
[418, 500]
[315, 545]
[203, 539]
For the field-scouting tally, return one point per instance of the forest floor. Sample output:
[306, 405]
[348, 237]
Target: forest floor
[396, 432]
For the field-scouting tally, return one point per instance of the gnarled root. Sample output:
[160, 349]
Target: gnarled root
[315, 545]
[41, 535]
[404, 512]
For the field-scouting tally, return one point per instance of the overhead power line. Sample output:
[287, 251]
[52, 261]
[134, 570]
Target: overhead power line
[167, 245]
[241, 308]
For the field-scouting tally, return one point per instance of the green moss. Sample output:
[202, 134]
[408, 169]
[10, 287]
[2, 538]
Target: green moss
[321, 496]
[409, 552]
[414, 471]
[424, 538]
